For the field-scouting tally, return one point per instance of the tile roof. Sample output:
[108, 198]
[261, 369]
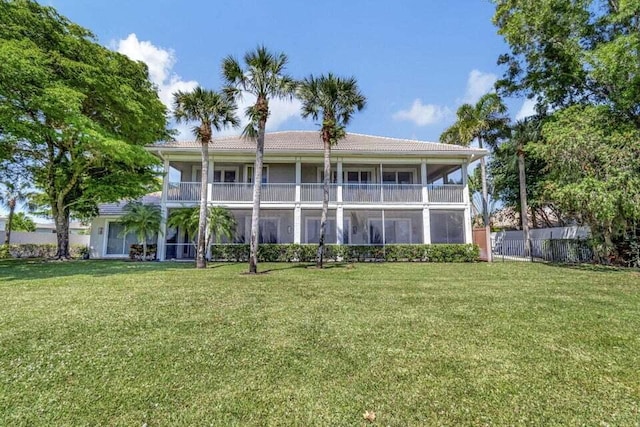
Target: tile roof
[309, 141]
[116, 208]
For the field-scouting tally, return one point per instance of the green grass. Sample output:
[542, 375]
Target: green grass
[118, 343]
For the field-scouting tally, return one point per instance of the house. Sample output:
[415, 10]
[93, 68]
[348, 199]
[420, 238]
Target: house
[383, 191]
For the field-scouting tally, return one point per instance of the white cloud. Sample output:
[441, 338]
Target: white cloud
[160, 63]
[478, 84]
[527, 109]
[423, 114]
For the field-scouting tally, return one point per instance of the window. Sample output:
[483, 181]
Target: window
[117, 244]
[196, 174]
[395, 231]
[358, 176]
[269, 230]
[312, 231]
[447, 226]
[334, 176]
[225, 175]
[265, 174]
[397, 177]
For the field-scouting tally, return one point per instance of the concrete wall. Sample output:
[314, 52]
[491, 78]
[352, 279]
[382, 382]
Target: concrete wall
[23, 237]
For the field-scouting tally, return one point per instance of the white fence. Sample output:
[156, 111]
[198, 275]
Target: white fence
[23, 238]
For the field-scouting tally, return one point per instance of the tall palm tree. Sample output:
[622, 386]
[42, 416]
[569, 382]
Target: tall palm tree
[264, 78]
[485, 122]
[10, 196]
[212, 110]
[524, 132]
[144, 220]
[334, 99]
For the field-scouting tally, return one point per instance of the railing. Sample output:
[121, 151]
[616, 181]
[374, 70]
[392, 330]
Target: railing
[313, 192]
[446, 193]
[184, 191]
[351, 193]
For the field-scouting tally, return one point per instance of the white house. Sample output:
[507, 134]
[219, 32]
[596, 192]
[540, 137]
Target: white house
[383, 191]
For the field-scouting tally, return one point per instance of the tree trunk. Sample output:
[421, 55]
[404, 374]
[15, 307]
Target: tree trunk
[523, 203]
[485, 204]
[257, 187]
[61, 217]
[12, 210]
[325, 200]
[201, 250]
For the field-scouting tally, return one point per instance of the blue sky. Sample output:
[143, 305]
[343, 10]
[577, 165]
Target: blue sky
[416, 61]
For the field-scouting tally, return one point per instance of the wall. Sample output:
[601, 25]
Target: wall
[97, 239]
[23, 237]
[574, 232]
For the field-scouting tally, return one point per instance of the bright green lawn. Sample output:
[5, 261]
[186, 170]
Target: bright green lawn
[95, 343]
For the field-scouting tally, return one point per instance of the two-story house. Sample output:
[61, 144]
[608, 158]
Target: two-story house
[383, 191]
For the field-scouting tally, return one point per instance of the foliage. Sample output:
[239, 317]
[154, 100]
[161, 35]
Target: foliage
[568, 52]
[350, 253]
[143, 220]
[34, 250]
[76, 113]
[221, 223]
[21, 222]
[594, 169]
[140, 253]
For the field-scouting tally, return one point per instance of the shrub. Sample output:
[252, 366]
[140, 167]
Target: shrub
[349, 253]
[32, 250]
[136, 251]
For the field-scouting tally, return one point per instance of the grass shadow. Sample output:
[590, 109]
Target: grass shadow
[599, 268]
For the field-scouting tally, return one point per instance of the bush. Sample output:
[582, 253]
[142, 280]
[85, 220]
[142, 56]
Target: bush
[349, 253]
[32, 250]
[136, 252]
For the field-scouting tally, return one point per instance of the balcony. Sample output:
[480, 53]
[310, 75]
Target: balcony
[313, 193]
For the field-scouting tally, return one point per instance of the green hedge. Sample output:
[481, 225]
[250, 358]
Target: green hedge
[32, 250]
[349, 253]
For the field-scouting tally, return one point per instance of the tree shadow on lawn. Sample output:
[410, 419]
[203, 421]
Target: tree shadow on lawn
[308, 266]
[34, 269]
[599, 268]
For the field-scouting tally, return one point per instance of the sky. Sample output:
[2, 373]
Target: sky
[416, 61]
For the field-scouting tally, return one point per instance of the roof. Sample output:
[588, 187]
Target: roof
[116, 208]
[310, 142]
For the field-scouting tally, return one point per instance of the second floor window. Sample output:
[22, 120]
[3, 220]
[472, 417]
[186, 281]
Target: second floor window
[225, 175]
[265, 174]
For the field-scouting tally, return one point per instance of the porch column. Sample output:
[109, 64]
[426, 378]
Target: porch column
[298, 179]
[339, 225]
[339, 182]
[423, 181]
[297, 224]
[426, 226]
[210, 180]
[468, 226]
[162, 237]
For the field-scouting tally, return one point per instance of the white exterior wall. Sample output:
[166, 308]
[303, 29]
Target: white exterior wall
[37, 238]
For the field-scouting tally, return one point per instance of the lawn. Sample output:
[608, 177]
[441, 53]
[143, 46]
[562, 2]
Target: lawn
[120, 343]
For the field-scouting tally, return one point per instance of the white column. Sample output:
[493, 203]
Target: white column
[210, 180]
[426, 226]
[423, 181]
[339, 225]
[468, 227]
[426, 219]
[162, 238]
[339, 176]
[468, 232]
[297, 224]
[298, 179]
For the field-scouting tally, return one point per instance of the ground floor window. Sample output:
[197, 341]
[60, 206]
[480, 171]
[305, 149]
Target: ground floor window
[312, 233]
[117, 243]
[395, 231]
[447, 226]
[269, 230]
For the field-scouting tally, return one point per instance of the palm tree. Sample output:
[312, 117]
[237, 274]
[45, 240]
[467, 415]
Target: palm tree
[485, 122]
[221, 222]
[334, 99]
[263, 78]
[10, 196]
[212, 110]
[524, 132]
[21, 222]
[144, 220]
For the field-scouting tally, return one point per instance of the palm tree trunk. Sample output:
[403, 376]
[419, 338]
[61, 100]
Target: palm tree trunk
[325, 200]
[201, 262]
[485, 204]
[523, 203]
[12, 210]
[257, 187]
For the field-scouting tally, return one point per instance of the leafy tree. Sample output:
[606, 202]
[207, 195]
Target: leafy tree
[11, 194]
[144, 220]
[220, 223]
[594, 169]
[76, 115]
[568, 52]
[484, 122]
[264, 77]
[213, 111]
[334, 100]
[21, 222]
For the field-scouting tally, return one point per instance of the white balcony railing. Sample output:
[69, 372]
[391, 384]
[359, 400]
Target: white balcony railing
[351, 193]
[446, 193]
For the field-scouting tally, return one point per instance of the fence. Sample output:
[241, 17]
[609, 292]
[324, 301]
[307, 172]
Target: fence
[543, 250]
